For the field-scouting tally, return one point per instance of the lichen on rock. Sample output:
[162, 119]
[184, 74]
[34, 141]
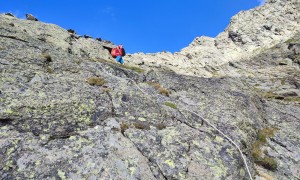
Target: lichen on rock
[67, 111]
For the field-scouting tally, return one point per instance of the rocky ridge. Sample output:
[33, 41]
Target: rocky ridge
[67, 111]
[248, 33]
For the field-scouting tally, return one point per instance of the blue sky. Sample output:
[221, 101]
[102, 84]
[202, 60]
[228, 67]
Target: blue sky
[141, 26]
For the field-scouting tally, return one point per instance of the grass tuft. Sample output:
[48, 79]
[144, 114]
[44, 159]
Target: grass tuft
[256, 152]
[160, 89]
[49, 70]
[141, 125]
[106, 89]
[160, 126]
[172, 105]
[133, 68]
[263, 134]
[292, 99]
[95, 81]
[163, 91]
[271, 95]
[47, 57]
[124, 127]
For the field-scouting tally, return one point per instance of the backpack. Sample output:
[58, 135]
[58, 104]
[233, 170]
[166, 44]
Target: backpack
[123, 52]
[114, 52]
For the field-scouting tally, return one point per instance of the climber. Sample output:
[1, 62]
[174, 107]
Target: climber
[117, 53]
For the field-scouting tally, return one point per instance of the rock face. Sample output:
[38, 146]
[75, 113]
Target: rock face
[69, 112]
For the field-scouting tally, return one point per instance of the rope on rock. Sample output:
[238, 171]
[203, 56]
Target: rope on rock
[228, 138]
[210, 124]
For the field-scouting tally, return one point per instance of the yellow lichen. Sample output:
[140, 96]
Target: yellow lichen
[31, 176]
[8, 111]
[132, 170]
[195, 143]
[170, 163]
[43, 137]
[141, 119]
[37, 163]
[72, 138]
[219, 139]
[61, 174]
[131, 118]
[10, 150]
[182, 176]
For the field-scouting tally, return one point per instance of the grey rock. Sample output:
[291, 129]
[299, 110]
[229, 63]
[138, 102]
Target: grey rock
[113, 124]
[31, 17]
[9, 14]
[137, 122]
[286, 62]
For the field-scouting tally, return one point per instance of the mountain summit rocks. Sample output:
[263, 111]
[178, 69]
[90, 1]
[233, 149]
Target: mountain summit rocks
[248, 33]
[67, 111]
[31, 17]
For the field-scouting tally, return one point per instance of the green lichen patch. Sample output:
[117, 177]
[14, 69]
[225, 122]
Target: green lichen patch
[292, 40]
[61, 174]
[95, 81]
[171, 105]
[259, 157]
[170, 163]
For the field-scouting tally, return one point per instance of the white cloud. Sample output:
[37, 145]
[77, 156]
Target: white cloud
[261, 2]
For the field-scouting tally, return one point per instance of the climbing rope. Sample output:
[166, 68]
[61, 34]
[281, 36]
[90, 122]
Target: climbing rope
[229, 139]
[210, 124]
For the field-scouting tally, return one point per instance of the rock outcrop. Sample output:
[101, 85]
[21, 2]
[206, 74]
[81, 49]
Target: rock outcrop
[248, 33]
[67, 111]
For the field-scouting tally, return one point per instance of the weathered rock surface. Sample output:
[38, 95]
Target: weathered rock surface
[137, 121]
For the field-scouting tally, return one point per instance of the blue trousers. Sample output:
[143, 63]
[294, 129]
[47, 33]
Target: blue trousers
[119, 59]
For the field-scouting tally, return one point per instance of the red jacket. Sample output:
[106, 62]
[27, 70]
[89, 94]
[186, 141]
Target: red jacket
[117, 51]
